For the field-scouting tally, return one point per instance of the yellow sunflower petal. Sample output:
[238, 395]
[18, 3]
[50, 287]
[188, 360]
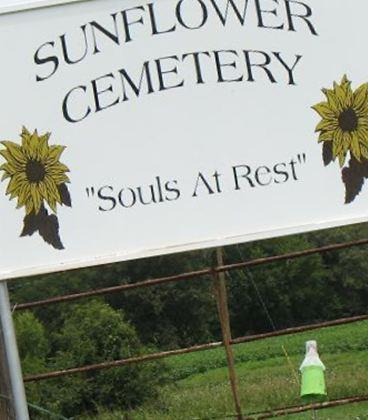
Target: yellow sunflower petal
[349, 97]
[324, 110]
[346, 138]
[60, 179]
[13, 195]
[364, 151]
[9, 168]
[15, 183]
[336, 148]
[26, 138]
[29, 205]
[362, 121]
[43, 190]
[57, 168]
[9, 158]
[24, 195]
[36, 197]
[327, 125]
[17, 192]
[355, 147]
[53, 192]
[338, 143]
[52, 203]
[43, 146]
[338, 135]
[32, 148]
[342, 158]
[345, 83]
[344, 96]
[25, 133]
[360, 97]
[15, 151]
[54, 154]
[326, 136]
[13, 189]
[363, 135]
[332, 100]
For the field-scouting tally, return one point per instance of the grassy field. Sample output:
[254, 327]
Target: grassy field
[267, 378]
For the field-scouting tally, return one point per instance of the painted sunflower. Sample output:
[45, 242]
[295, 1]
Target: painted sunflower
[35, 171]
[345, 120]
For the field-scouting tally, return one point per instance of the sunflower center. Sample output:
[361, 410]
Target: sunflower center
[35, 171]
[348, 120]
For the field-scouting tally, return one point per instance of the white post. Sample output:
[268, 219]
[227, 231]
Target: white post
[12, 356]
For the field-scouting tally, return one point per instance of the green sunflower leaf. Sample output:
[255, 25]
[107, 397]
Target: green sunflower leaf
[32, 222]
[49, 231]
[353, 177]
[65, 195]
[327, 153]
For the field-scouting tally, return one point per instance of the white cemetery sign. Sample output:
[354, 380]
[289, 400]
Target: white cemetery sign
[133, 128]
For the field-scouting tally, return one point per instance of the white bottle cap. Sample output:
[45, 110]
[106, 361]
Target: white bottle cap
[311, 356]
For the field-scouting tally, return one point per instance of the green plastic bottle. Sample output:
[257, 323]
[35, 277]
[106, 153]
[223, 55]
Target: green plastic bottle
[313, 387]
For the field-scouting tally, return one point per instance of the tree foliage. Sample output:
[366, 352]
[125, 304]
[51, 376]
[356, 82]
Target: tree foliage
[92, 333]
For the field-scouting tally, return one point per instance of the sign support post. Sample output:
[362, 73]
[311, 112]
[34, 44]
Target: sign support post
[6, 406]
[222, 306]
[12, 356]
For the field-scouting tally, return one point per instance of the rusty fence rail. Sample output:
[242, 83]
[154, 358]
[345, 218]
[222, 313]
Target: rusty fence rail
[200, 347]
[294, 410]
[190, 275]
[301, 409]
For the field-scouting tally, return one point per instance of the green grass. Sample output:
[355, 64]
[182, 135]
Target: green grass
[342, 339]
[267, 379]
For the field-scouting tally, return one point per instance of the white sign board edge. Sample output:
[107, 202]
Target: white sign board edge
[12, 6]
[121, 257]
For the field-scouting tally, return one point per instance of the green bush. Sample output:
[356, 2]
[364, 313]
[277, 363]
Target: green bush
[94, 333]
[33, 348]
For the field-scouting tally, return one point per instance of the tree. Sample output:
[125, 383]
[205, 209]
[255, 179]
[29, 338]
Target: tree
[33, 348]
[94, 333]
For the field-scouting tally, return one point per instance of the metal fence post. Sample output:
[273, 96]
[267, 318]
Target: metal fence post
[11, 361]
[223, 310]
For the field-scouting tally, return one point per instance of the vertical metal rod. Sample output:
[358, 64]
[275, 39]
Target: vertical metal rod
[6, 398]
[223, 310]
[12, 355]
